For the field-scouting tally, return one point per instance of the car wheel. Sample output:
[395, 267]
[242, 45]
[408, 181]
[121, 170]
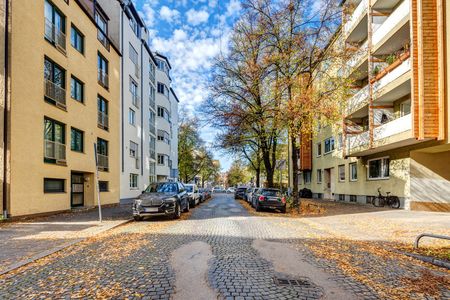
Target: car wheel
[137, 218]
[257, 207]
[177, 213]
[187, 206]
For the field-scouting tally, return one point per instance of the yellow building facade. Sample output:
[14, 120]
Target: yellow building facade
[64, 98]
[395, 134]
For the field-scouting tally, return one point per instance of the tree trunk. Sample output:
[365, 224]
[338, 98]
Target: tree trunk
[294, 157]
[258, 176]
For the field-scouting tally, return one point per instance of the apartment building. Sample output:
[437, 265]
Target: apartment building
[62, 107]
[166, 122]
[395, 133]
[138, 99]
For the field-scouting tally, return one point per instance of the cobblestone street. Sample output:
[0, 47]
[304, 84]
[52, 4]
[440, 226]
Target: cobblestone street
[243, 257]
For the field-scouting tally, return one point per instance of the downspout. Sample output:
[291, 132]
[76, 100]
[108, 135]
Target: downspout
[121, 92]
[5, 113]
[142, 108]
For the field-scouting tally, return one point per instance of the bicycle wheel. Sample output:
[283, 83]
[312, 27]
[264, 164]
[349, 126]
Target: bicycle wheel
[394, 202]
[378, 201]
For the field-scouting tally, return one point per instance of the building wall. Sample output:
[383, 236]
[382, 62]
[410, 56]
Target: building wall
[29, 108]
[2, 99]
[174, 145]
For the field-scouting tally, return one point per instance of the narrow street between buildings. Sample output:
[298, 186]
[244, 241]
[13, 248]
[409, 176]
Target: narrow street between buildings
[222, 251]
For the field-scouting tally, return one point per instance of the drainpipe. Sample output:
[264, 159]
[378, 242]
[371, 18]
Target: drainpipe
[5, 112]
[121, 92]
[142, 108]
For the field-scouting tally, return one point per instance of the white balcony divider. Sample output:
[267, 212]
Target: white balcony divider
[54, 150]
[357, 100]
[55, 93]
[357, 13]
[359, 55]
[53, 34]
[103, 162]
[398, 15]
[391, 76]
[394, 127]
[103, 119]
[103, 78]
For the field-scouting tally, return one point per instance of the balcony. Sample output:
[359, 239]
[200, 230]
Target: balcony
[394, 28]
[358, 100]
[102, 120]
[391, 75]
[103, 162]
[103, 39]
[55, 35]
[56, 151]
[103, 78]
[355, 29]
[55, 93]
[392, 128]
[356, 141]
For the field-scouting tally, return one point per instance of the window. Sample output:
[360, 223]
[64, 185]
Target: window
[76, 89]
[131, 117]
[353, 198]
[102, 154]
[102, 105]
[134, 56]
[152, 93]
[329, 145]
[103, 186]
[55, 25]
[163, 136]
[405, 108]
[152, 172]
[341, 197]
[341, 170]
[151, 71]
[133, 181]
[319, 176]
[55, 83]
[102, 65]
[152, 122]
[307, 177]
[163, 113]
[135, 27]
[152, 147]
[379, 168]
[134, 92]
[353, 171]
[77, 140]
[162, 66]
[133, 149]
[161, 159]
[77, 39]
[319, 149]
[162, 89]
[52, 185]
[102, 29]
[55, 140]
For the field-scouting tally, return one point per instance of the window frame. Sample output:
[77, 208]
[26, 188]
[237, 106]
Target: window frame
[341, 168]
[61, 180]
[102, 190]
[132, 181]
[79, 34]
[319, 171]
[382, 159]
[350, 171]
[134, 147]
[131, 117]
[331, 142]
[307, 178]
[319, 149]
[75, 80]
[72, 130]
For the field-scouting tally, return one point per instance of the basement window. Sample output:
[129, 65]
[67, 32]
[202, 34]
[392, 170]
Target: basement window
[52, 185]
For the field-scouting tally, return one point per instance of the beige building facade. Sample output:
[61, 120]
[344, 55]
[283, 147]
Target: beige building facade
[395, 134]
[64, 80]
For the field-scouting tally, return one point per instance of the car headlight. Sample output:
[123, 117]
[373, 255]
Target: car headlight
[137, 202]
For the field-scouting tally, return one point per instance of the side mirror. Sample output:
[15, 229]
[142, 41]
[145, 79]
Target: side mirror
[143, 191]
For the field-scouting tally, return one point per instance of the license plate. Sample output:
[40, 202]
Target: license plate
[151, 209]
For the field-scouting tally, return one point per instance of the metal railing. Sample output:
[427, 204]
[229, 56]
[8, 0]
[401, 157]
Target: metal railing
[55, 93]
[436, 236]
[153, 154]
[103, 39]
[103, 120]
[55, 35]
[103, 162]
[103, 78]
[55, 150]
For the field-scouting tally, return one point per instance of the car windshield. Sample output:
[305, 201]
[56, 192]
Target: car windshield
[189, 188]
[162, 188]
[271, 193]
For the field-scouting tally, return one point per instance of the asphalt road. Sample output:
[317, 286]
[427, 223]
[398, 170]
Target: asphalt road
[219, 252]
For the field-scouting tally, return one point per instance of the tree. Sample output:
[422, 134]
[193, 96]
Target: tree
[210, 170]
[237, 174]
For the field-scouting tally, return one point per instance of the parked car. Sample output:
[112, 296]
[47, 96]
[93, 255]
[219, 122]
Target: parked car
[231, 190]
[218, 189]
[240, 193]
[269, 198]
[165, 198]
[249, 194]
[194, 195]
[204, 195]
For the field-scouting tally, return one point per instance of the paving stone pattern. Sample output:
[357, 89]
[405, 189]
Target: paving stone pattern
[144, 272]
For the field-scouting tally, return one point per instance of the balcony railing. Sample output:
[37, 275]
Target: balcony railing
[135, 99]
[103, 39]
[392, 75]
[55, 150]
[55, 92]
[357, 101]
[152, 154]
[103, 78]
[103, 162]
[401, 13]
[355, 17]
[153, 129]
[103, 120]
[358, 140]
[361, 54]
[393, 127]
[55, 35]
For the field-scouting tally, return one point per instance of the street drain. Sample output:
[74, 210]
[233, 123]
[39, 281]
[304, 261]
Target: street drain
[292, 282]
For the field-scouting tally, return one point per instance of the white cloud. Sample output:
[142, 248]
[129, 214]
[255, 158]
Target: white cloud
[169, 15]
[196, 17]
[149, 14]
[233, 7]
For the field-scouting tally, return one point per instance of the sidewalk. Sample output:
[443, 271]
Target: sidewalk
[24, 241]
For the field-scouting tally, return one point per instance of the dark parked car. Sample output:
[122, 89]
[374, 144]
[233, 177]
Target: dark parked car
[161, 199]
[269, 198]
[240, 193]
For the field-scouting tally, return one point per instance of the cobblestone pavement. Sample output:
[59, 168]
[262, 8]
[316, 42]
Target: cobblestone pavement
[134, 262]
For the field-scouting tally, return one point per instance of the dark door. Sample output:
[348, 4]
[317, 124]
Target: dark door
[77, 190]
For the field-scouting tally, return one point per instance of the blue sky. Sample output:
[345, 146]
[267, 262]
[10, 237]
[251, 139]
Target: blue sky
[191, 33]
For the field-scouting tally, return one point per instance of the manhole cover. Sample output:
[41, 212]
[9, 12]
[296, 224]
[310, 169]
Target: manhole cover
[292, 282]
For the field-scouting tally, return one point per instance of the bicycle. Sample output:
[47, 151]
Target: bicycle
[380, 200]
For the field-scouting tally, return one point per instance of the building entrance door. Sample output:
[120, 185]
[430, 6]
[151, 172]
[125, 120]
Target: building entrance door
[329, 184]
[77, 190]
